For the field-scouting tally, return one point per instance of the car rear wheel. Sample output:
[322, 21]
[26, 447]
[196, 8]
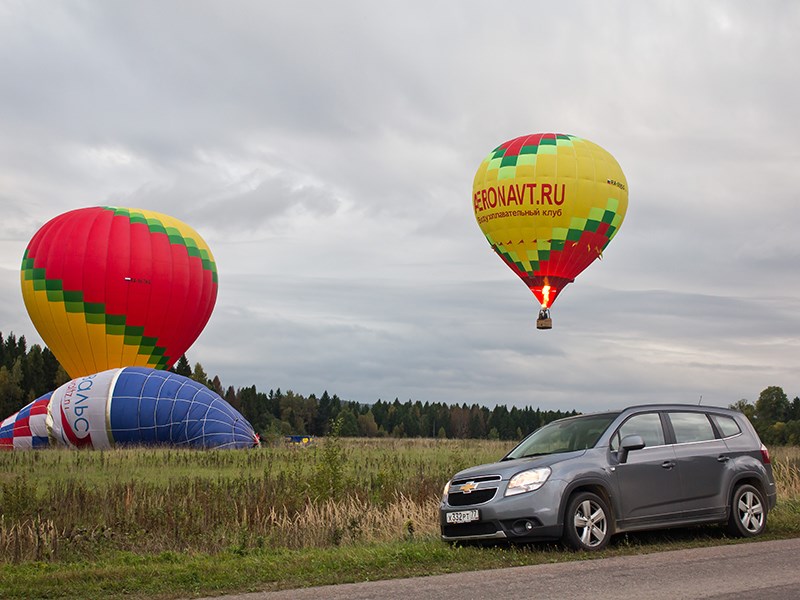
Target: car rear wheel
[748, 516]
[587, 525]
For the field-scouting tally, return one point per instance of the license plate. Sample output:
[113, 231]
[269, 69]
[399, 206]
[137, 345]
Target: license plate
[462, 516]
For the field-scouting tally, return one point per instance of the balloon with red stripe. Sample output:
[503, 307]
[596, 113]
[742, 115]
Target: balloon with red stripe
[549, 204]
[112, 287]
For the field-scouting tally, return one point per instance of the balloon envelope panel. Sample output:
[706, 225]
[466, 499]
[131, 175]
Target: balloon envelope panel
[159, 407]
[112, 287]
[549, 203]
[27, 428]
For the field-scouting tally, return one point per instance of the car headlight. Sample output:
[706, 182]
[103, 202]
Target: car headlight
[527, 481]
[446, 491]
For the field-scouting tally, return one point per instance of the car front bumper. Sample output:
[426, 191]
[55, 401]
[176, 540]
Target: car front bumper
[529, 516]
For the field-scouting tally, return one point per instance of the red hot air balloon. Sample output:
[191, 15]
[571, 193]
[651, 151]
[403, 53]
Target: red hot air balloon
[113, 287]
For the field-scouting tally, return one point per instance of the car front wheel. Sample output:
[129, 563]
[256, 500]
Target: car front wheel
[748, 516]
[587, 525]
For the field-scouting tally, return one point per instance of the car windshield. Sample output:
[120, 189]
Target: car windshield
[565, 435]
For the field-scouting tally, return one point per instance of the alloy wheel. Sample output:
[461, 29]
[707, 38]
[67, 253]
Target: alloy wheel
[750, 512]
[591, 523]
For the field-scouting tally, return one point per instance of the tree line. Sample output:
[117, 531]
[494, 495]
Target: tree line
[27, 373]
[278, 413]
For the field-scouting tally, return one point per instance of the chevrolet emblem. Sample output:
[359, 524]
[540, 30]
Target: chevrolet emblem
[468, 487]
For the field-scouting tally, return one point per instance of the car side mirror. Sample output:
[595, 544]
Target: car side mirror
[629, 442]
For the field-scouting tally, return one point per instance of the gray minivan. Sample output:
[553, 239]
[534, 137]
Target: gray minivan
[582, 479]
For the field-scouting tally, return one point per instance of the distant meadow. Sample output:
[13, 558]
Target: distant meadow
[136, 522]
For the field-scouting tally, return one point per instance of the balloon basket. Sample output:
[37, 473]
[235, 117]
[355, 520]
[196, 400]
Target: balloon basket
[544, 321]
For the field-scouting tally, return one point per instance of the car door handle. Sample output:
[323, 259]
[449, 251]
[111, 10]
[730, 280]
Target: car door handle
[668, 464]
[723, 458]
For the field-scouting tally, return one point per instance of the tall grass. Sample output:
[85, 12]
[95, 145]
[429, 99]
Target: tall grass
[72, 505]
[64, 505]
[786, 467]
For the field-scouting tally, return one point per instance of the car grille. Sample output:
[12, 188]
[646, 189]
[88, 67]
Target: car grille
[469, 529]
[478, 497]
[484, 491]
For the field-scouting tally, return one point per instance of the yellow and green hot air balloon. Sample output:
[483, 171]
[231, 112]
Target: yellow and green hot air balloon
[111, 287]
[549, 203]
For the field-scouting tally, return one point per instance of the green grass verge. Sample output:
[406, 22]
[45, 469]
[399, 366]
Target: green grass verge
[171, 575]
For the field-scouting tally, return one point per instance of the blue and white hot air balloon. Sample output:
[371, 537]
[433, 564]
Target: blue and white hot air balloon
[128, 406]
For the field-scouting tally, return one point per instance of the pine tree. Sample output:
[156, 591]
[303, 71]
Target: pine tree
[182, 367]
[199, 375]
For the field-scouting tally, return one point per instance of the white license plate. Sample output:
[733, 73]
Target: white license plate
[462, 516]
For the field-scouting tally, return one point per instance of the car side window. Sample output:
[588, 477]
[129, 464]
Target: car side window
[691, 427]
[647, 425]
[727, 425]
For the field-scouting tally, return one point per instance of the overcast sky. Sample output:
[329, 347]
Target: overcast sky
[326, 152]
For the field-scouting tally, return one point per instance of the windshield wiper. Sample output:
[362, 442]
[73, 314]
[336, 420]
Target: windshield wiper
[526, 456]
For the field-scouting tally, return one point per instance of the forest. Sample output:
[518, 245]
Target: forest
[27, 373]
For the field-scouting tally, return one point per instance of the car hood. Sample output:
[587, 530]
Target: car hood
[508, 468]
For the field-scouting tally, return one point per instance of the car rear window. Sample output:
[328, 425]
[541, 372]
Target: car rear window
[691, 427]
[727, 425]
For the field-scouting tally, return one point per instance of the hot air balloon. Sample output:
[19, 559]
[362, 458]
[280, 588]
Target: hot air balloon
[130, 406]
[549, 204]
[113, 287]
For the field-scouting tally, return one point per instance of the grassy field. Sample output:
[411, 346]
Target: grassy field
[166, 523]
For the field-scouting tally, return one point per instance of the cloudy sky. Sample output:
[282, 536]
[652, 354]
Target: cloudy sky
[326, 152]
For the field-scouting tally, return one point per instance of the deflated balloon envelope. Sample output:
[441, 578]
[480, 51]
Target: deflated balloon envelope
[548, 204]
[129, 406]
[112, 287]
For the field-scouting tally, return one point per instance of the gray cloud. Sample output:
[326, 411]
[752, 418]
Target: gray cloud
[326, 153]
